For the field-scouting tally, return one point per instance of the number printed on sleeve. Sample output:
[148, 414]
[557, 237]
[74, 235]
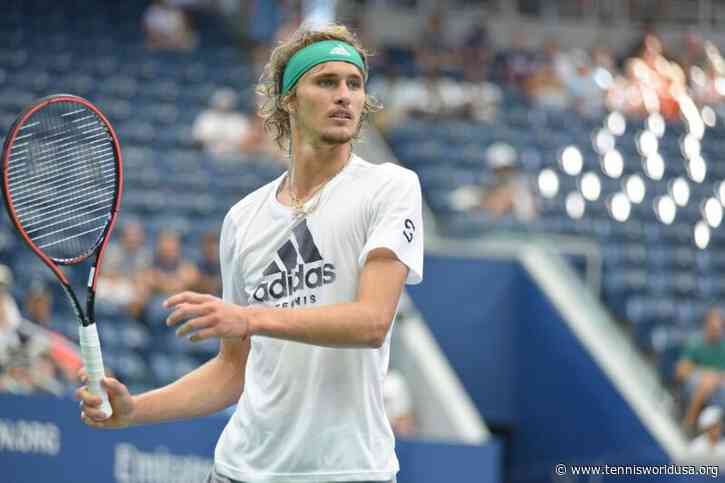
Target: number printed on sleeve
[409, 230]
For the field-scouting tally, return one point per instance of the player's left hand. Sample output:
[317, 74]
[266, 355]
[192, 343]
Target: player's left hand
[206, 316]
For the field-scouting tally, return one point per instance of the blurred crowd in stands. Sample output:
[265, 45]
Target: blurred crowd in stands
[33, 357]
[134, 281]
[467, 78]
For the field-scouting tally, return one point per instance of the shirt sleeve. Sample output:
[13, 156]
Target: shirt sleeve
[396, 223]
[692, 351]
[232, 286]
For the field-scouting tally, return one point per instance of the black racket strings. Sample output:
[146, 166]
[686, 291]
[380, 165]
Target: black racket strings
[62, 178]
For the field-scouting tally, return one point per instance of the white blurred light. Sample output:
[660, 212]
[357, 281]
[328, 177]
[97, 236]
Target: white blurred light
[696, 126]
[680, 191]
[708, 116]
[616, 123]
[654, 166]
[720, 85]
[613, 164]
[691, 114]
[575, 205]
[619, 207]
[604, 141]
[571, 160]
[647, 143]
[603, 78]
[712, 212]
[656, 124]
[702, 235]
[635, 189]
[721, 192]
[590, 186]
[665, 209]
[687, 105]
[690, 146]
[697, 169]
[697, 76]
[548, 183]
[650, 99]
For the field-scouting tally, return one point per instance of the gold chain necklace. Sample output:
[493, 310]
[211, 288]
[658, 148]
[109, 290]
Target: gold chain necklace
[299, 204]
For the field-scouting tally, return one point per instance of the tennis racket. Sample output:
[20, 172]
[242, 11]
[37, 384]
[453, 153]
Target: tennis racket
[62, 177]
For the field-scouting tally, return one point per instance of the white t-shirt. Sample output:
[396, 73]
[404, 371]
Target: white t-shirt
[311, 413]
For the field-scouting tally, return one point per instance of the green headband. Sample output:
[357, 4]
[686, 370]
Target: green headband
[318, 53]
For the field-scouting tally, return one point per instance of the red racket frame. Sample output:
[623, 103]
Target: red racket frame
[10, 140]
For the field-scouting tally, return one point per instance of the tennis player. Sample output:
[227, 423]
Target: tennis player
[313, 265]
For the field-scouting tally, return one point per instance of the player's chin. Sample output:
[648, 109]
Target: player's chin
[337, 136]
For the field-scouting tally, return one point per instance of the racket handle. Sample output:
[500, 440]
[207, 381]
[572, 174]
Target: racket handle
[93, 360]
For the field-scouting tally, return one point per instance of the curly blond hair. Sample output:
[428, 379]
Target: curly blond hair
[273, 105]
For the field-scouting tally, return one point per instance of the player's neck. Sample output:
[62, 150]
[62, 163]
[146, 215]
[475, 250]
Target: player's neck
[313, 164]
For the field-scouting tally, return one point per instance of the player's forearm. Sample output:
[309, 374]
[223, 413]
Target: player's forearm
[342, 325]
[206, 390]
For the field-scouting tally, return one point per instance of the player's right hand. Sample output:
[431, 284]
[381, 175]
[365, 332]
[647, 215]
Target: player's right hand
[121, 401]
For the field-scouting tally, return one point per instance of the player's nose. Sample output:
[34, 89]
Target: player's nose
[342, 94]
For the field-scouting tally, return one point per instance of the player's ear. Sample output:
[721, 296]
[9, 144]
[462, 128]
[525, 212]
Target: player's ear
[291, 106]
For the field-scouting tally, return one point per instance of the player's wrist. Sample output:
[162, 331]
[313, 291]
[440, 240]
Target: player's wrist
[131, 419]
[255, 319]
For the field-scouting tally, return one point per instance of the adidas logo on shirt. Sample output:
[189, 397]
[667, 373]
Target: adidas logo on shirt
[302, 267]
[340, 50]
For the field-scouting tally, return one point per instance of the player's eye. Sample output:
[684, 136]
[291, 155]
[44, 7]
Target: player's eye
[354, 84]
[327, 82]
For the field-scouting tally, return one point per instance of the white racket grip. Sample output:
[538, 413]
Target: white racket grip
[93, 361]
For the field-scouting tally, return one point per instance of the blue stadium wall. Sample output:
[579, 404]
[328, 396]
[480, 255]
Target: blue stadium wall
[527, 373]
[43, 440]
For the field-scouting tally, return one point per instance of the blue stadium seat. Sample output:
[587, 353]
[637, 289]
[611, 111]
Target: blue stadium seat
[167, 368]
[129, 367]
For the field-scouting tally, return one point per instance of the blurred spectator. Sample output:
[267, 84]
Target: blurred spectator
[400, 94]
[693, 54]
[39, 305]
[398, 404]
[545, 86]
[51, 348]
[514, 66]
[701, 366]
[167, 27]
[651, 83]
[546, 89]
[508, 192]
[43, 361]
[17, 377]
[477, 47]
[707, 80]
[123, 281]
[577, 73]
[258, 142]
[480, 99]
[9, 317]
[709, 444]
[209, 280]
[434, 50]
[170, 274]
[221, 129]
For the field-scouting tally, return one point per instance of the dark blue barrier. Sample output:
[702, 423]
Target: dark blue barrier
[472, 308]
[42, 440]
[527, 373]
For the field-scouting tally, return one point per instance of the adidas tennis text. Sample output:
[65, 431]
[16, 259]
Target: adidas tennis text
[286, 284]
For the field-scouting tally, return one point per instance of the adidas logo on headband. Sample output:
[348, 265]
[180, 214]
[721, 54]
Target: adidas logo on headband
[340, 50]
